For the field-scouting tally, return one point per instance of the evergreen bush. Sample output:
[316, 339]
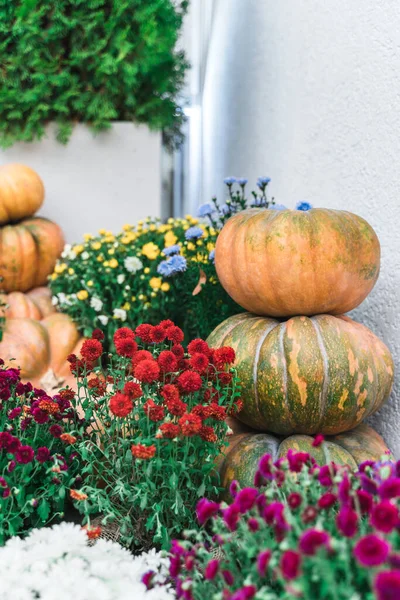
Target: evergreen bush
[90, 61]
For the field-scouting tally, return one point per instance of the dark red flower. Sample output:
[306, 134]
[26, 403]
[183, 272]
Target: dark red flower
[368, 484]
[384, 516]
[228, 577]
[24, 455]
[265, 466]
[120, 405]
[189, 382]
[43, 454]
[253, 524]
[40, 416]
[147, 371]
[225, 378]
[55, 430]
[132, 389]
[387, 585]
[207, 433]
[176, 407]
[371, 550]
[199, 362]
[290, 564]
[5, 439]
[190, 424]
[175, 334]
[158, 334]
[167, 361]
[327, 500]
[311, 540]
[153, 411]
[91, 350]
[143, 332]
[72, 358]
[178, 350]
[141, 355]
[198, 346]
[294, 500]
[344, 488]
[318, 440]
[126, 347]
[97, 334]
[244, 593]
[347, 521]
[309, 514]
[169, 430]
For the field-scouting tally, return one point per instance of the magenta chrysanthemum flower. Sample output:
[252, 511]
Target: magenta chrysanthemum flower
[246, 499]
[228, 577]
[205, 510]
[371, 550]
[233, 488]
[327, 500]
[211, 569]
[43, 454]
[344, 490]
[290, 564]
[387, 585]
[294, 500]
[325, 475]
[390, 488]
[347, 521]
[384, 516]
[231, 517]
[273, 513]
[311, 540]
[365, 501]
[253, 524]
[24, 455]
[297, 460]
[262, 562]
[245, 593]
[55, 430]
[318, 440]
[265, 466]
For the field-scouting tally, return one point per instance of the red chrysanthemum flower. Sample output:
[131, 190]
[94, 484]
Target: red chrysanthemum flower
[24, 455]
[170, 392]
[176, 407]
[132, 390]
[211, 395]
[153, 411]
[169, 430]
[67, 438]
[190, 424]
[126, 347]
[158, 334]
[217, 412]
[199, 346]
[167, 361]
[200, 412]
[72, 358]
[67, 394]
[97, 334]
[120, 405]
[92, 532]
[199, 362]
[178, 350]
[224, 356]
[123, 333]
[189, 382]
[141, 355]
[49, 406]
[147, 371]
[143, 332]
[98, 386]
[207, 433]
[224, 378]
[91, 350]
[77, 495]
[294, 500]
[167, 323]
[175, 334]
[143, 452]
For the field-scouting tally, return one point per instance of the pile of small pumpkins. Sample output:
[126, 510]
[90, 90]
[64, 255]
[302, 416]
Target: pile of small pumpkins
[34, 337]
[304, 367]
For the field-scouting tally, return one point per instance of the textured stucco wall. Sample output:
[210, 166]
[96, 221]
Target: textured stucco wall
[98, 181]
[308, 92]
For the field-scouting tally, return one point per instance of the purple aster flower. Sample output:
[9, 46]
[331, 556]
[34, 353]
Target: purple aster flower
[205, 210]
[194, 233]
[225, 210]
[277, 207]
[230, 181]
[175, 249]
[211, 256]
[242, 181]
[262, 182]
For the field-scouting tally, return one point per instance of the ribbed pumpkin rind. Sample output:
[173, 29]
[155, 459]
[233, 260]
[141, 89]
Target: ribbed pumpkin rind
[320, 375]
[287, 263]
[21, 192]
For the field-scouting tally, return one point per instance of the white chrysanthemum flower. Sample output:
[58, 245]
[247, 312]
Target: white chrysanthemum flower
[121, 278]
[54, 300]
[66, 251]
[57, 563]
[119, 313]
[103, 319]
[133, 264]
[96, 303]
[85, 255]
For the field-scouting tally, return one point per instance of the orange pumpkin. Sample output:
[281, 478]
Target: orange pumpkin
[322, 374]
[28, 253]
[286, 263]
[240, 460]
[39, 347]
[21, 193]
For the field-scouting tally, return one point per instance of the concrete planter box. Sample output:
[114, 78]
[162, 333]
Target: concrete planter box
[96, 182]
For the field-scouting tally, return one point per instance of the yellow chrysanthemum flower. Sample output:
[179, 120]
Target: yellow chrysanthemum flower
[90, 283]
[82, 295]
[191, 246]
[96, 245]
[100, 258]
[133, 298]
[165, 287]
[113, 263]
[87, 237]
[126, 306]
[152, 227]
[150, 250]
[60, 268]
[109, 238]
[78, 248]
[126, 227]
[106, 263]
[210, 246]
[147, 270]
[111, 251]
[155, 283]
[170, 239]
[71, 271]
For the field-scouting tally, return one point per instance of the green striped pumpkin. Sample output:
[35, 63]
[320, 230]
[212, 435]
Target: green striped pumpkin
[322, 374]
[240, 460]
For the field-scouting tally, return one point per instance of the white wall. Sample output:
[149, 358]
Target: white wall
[308, 92]
[96, 182]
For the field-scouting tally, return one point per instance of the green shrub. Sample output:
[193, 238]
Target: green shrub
[90, 61]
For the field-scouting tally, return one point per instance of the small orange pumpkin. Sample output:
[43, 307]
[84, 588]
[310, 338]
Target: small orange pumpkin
[28, 253]
[290, 262]
[36, 304]
[21, 192]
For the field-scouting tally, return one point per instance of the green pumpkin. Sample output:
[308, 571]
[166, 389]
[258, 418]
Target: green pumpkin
[322, 374]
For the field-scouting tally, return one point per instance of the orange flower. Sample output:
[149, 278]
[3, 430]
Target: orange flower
[67, 438]
[49, 406]
[141, 451]
[92, 532]
[76, 495]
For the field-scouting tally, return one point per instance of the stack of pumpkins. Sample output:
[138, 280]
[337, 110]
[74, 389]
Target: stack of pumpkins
[34, 336]
[304, 368]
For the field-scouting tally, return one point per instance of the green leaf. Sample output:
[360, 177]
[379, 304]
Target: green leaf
[43, 510]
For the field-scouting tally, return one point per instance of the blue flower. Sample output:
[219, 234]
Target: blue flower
[242, 181]
[225, 210]
[258, 202]
[303, 206]
[193, 233]
[211, 256]
[175, 264]
[277, 207]
[171, 250]
[230, 180]
[205, 210]
[262, 182]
